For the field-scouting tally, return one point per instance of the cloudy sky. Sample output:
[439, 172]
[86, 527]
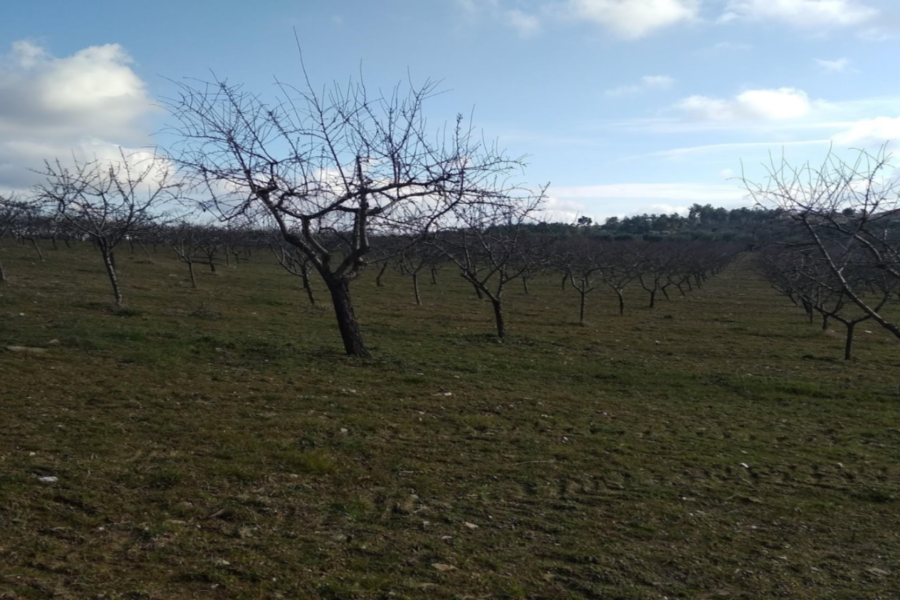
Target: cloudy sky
[625, 106]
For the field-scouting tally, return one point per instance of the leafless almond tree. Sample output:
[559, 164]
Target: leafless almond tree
[109, 200]
[489, 243]
[847, 212]
[333, 169]
[11, 210]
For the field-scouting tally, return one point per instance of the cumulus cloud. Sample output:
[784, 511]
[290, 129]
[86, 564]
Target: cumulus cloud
[647, 82]
[632, 19]
[86, 104]
[527, 25]
[753, 105]
[563, 211]
[809, 14]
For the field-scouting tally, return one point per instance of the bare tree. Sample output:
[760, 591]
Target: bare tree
[580, 258]
[294, 262]
[11, 210]
[185, 241]
[29, 224]
[847, 212]
[802, 275]
[619, 267]
[344, 165]
[488, 242]
[412, 259]
[108, 200]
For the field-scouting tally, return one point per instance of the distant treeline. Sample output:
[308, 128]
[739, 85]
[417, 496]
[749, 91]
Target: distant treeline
[703, 222]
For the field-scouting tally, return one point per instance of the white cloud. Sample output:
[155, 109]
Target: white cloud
[753, 105]
[556, 209]
[668, 209]
[802, 13]
[85, 105]
[474, 6]
[601, 201]
[527, 25]
[647, 82]
[686, 192]
[691, 151]
[633, 19]
[732, 46]
[836, 66]
[869, 132]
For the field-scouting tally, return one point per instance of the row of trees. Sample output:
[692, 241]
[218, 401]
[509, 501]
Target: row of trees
[488, 257]
[332, 182]
[837, 250]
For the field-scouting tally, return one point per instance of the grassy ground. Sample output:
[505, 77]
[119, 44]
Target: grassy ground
[214, 443]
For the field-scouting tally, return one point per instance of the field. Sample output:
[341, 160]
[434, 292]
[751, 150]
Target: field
[215, 443]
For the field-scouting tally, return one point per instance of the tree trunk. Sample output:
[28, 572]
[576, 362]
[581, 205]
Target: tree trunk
[144, 248]
[381, 274]
[343, 310]
[415, 282]
[665, 293]
[191, 271]
[212, 265]
[525, 284]
[498, 316]
[433, 276]
[478, 291]
[110, 264]
[2, 274]
[37, 249]
[304, 276]
[848, 344]
[652, 298]
[563, 284]
[824, 322]
[621, 302]
[581, 309]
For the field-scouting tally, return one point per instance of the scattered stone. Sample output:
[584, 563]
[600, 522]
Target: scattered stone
[745, 465]
[48, 479]
[877, 571]
[443, 568]
[424, 586]
[470, 525]
[53, 343]
[26, 349]
[221, 562]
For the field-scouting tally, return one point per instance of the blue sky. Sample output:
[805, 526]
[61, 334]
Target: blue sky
[624, 106]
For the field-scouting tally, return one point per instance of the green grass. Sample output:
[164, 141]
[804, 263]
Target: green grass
[243, 456]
